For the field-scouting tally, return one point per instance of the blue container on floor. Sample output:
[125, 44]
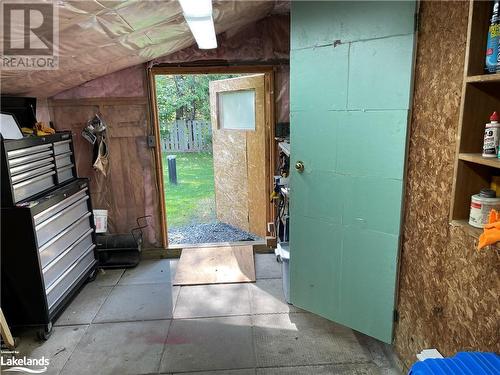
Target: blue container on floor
[464, 363]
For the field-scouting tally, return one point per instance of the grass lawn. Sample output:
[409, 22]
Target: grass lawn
[192, 200]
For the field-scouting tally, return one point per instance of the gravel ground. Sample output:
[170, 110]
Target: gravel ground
[208, 233]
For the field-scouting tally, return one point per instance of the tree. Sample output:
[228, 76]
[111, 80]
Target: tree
[184, 97]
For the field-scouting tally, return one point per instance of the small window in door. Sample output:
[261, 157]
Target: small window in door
[237, 110]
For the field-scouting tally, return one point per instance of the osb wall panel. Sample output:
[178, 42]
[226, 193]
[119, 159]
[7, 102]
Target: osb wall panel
[230, 178]
[472, 300]
[129, 190]
[448, 295]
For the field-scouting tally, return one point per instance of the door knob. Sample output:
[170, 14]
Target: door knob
[299, 166]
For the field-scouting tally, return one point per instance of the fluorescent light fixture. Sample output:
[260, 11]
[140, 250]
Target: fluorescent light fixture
[204, 32]
[196, 8]
[198, 15]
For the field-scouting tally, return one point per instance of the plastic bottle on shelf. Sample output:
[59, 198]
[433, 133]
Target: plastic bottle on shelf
[491, 133]
[493, 41]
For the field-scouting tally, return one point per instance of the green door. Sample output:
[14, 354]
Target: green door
[350, 82]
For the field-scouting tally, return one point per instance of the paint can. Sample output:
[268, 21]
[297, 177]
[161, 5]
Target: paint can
[101, 221]
[480, 206]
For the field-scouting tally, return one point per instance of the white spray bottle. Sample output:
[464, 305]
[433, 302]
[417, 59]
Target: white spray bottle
[491, 135]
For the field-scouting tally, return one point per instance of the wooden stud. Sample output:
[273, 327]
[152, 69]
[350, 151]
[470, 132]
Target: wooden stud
[158, 157]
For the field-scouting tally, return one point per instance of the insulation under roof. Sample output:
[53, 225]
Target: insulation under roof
[98, 37]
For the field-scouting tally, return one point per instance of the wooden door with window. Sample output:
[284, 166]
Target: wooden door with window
[238, 111]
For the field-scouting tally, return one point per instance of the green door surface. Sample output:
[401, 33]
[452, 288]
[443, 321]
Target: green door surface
[350, 82]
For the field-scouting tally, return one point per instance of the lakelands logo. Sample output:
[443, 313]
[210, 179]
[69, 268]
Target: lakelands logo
[25, 364]
[30, 35]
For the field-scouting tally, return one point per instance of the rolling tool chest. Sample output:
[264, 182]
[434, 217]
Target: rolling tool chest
[48, 252]
[48, 234]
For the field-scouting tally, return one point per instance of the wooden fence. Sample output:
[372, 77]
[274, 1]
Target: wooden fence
[188, 136]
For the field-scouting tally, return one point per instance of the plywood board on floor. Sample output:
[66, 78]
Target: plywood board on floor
[215, 265]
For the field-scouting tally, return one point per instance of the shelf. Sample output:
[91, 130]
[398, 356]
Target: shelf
[480, 98]
[478, 159]
[473, 231]
[494, 77]
[285, 147]
[464, 224]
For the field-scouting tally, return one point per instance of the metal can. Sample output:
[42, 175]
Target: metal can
[480, 207]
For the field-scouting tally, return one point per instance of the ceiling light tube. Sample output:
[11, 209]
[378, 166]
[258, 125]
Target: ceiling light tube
[204, 32]
[198, 15]
[196, 8]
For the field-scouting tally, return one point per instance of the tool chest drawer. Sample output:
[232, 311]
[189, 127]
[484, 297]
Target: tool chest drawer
[34, 165]
[62, 147]
[43, 169]
[52, 249]
[72, 275]
[23, 152]
[55, 224]
[63, 160]
[68, 200]
[28, 188]
[14, 171]
[60, 264]
[66, 173]
[28, 160]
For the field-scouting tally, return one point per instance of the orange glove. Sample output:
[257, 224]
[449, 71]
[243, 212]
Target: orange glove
[491, 233]
[493, 216]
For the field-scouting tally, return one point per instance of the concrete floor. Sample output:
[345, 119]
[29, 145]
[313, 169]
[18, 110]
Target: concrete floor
[135, 322]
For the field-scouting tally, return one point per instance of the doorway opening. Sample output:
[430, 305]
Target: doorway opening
[205, 152]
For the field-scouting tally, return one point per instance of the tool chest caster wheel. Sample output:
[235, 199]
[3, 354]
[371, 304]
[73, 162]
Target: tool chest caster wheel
[44, 333]
[92, 276]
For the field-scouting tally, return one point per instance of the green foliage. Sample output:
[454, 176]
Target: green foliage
[192, 200]
[184, 97]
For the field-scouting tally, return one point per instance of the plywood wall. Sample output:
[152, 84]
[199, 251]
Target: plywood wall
[230, 178]
[449, 292]
[129, 190]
